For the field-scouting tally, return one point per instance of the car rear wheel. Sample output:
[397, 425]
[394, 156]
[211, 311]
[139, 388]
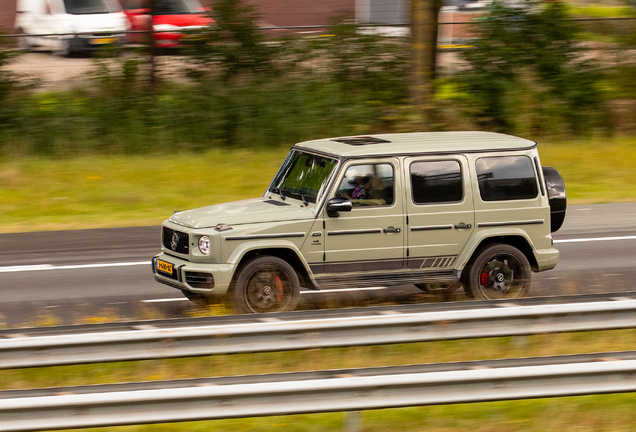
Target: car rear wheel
[267, 284]
[64, 49]
[498, 271]
[23, 42]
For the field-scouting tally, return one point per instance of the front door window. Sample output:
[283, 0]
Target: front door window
[368, 185]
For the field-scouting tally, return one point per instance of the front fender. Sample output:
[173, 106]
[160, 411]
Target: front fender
[275, 246]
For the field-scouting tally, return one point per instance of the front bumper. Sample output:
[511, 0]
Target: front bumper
[208, 279]
[172, 40]
[83, 43]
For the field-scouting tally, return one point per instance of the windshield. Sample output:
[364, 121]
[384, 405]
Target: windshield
[303, 176]
[85, 7]
[177, 7]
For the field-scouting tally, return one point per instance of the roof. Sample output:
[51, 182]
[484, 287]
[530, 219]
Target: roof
[417, 143]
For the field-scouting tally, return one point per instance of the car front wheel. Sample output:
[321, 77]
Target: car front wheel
[267, 284]
[498, 271]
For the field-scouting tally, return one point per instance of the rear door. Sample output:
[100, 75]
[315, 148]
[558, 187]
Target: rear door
[439, 207]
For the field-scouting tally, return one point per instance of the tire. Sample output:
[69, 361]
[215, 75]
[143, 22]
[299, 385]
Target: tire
[23, 42]
[557, 197]
[64, 50]
[498, 271]
[266, 284]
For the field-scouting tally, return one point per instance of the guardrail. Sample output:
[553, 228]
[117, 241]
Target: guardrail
[294, 332]
[316, 392]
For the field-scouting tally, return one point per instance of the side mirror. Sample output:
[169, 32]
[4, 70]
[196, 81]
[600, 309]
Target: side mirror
[337, 205]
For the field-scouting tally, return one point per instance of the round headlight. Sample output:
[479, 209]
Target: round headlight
[204, 245]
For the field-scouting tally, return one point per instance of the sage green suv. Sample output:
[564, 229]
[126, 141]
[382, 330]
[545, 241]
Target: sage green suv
[433, 209]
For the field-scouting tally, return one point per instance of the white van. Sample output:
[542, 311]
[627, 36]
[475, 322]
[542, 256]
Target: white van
[70, 25]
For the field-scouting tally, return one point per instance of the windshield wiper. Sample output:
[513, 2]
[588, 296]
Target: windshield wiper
[299, 196]
[280, 193]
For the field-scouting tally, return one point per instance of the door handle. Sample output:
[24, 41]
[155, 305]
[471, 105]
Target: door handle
[462, 225]
[391, 230]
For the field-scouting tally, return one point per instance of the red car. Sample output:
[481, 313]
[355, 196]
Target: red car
[178, 22]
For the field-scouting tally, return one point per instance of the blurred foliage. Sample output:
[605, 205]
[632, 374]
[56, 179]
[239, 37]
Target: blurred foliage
[234, 43]
[526, 73]
[245, 87]
[617, 31]
[11, 85]
[118, 114]
[362, 62]
[244, 90]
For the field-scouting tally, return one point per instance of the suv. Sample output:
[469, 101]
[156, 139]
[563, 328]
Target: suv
[433, 209]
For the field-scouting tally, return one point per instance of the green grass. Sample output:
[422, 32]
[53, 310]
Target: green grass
[596, 171]
[602, 11]
[39, 194]
[101, 191]
[595, 37]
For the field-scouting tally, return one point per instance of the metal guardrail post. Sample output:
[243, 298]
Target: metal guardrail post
[353, 421]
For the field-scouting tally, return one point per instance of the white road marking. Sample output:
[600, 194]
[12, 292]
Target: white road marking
[581, 240]
[164, 300]
[302, 292]
[25, 268]
[40, 267]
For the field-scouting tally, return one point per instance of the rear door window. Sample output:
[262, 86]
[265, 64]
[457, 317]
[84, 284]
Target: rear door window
[435, 182]
[506, 178]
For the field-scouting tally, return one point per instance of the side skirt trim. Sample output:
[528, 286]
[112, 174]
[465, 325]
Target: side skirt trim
[390, 279]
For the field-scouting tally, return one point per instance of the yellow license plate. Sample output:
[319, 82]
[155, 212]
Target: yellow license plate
[103, 41]
[163, 266]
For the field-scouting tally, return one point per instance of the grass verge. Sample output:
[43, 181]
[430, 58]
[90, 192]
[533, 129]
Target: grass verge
[100, 192]
[39, 194]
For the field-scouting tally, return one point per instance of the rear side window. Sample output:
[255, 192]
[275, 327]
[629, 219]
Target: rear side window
[436, 182]
[506, 178]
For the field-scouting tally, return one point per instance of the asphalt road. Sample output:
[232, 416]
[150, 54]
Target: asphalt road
[91, 275]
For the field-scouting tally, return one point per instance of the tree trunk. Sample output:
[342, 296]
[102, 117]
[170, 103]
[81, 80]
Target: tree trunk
[423, 51]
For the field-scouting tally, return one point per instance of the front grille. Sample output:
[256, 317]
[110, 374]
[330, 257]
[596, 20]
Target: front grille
[181, 243]
[199, 280]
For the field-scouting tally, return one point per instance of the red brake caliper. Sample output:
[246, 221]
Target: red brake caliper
[279, 288]
[485, 278]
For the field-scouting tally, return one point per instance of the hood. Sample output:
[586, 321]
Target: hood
[107, 22]
[255, 210]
